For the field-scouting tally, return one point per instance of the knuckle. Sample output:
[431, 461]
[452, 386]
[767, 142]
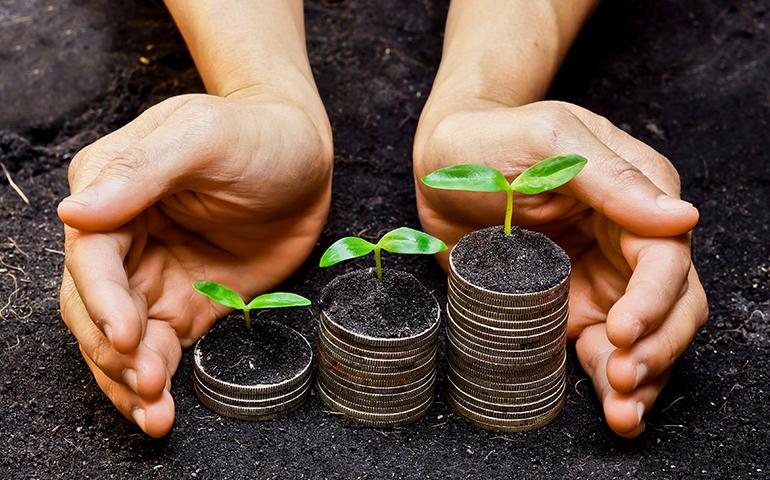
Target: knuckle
[127, 162]
[625, 174]
[201, 112]
[442, 144]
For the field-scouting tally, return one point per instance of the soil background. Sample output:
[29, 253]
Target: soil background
[690, 78]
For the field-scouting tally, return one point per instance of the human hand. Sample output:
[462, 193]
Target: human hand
[234, 190]
[635, 298]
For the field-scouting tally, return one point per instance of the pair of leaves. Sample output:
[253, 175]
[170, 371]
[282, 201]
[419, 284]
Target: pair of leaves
[546, 175]
[401, 240]
[228, 298]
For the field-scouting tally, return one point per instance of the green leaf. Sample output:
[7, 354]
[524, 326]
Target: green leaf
[476, 178]
[548, 174]
[345, 249]
[409, 240]
[220, 294]
[278, 300]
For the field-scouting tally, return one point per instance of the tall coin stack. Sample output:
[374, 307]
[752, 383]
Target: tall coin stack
[377, 382]
[252, 402]
[506, 354]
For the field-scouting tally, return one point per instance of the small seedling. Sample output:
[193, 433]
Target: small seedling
[228, 298]
[401, 240]
[543, 176]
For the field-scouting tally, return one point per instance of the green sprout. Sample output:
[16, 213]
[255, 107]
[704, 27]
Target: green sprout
[543, 176]
[228, 298]
[401, 240]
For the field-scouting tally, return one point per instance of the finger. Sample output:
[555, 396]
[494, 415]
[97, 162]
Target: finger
[135, 177]
[154, 417]
[143, 371]
[95, 262]
[624, 412]
[652, 355]
[161, 339]
[660, 270]
[615, 187]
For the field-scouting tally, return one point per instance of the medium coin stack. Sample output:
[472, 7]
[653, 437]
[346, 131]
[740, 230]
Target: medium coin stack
[252, 402]
[506, 354]
[377, 382]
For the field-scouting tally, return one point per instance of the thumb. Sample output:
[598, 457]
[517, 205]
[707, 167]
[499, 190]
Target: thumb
[124, 187]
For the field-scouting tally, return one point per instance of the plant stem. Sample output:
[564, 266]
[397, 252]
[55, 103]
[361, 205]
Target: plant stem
[247, 319]
[509, 212]
[377, 262]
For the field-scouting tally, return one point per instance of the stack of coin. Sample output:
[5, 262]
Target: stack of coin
[377, 382]
[252, 402]
[506, 354]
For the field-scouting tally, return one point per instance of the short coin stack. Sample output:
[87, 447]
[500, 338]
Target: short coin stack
[377, 382]
[253, 402]
[506, 354]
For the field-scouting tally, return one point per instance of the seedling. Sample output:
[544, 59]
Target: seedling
[401, 240]
[543, 176]
[228, 298]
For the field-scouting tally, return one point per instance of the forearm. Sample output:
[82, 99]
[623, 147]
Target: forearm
[505, 51]
[249, 47]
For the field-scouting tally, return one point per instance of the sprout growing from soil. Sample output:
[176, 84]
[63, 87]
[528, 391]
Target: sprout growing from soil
[401, 240]
[228, 298]
[543, 176]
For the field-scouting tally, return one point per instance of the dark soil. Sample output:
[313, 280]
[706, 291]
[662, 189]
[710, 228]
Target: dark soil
[268, 353]
[689, 78]
[398, 306]
[522, 262]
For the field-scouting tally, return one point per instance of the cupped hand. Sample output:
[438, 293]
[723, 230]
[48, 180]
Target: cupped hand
[234, 190]
[635, 299]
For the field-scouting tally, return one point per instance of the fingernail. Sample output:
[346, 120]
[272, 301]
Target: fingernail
[129, 376]
[670, 203]
[639, 411]
[107, 332]
[138, 416]
[84, 198]
[641, 373]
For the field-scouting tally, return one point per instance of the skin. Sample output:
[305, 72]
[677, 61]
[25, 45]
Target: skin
[233, 186]
[635, 301]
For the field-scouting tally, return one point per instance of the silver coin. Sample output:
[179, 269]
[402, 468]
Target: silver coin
[357, 397]
[375, 379]
[251, 401]
[540, 306]
[411, 341]
[377, 419]
[378, 390]
[374, 364]
[373, 352]
[509, 386]
[509, 408]
[381, 407]
[502, 363]
[505, 398]
[525, 319]
[515, 354]
[249, 413]
[233, 389]
[491, 336]
[502, 296]
[473, 336]
[500, 425]
[506, 374]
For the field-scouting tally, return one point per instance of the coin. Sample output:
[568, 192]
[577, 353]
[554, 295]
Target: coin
[378, 390]
[252, 401]
[511, 352]
[507, 374]
[509, 408]
[375, 364]
[249, 413]
[233, 389]
[512, 299]
[472, 333]
[358, 397]
[525, 319]
[491, 396]
[491, 362]
[375, 379]
[372, 352]
[375, 419]
[512, 386]
[379, 407]
[411, 341]
[521, 313]
[495, 424]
